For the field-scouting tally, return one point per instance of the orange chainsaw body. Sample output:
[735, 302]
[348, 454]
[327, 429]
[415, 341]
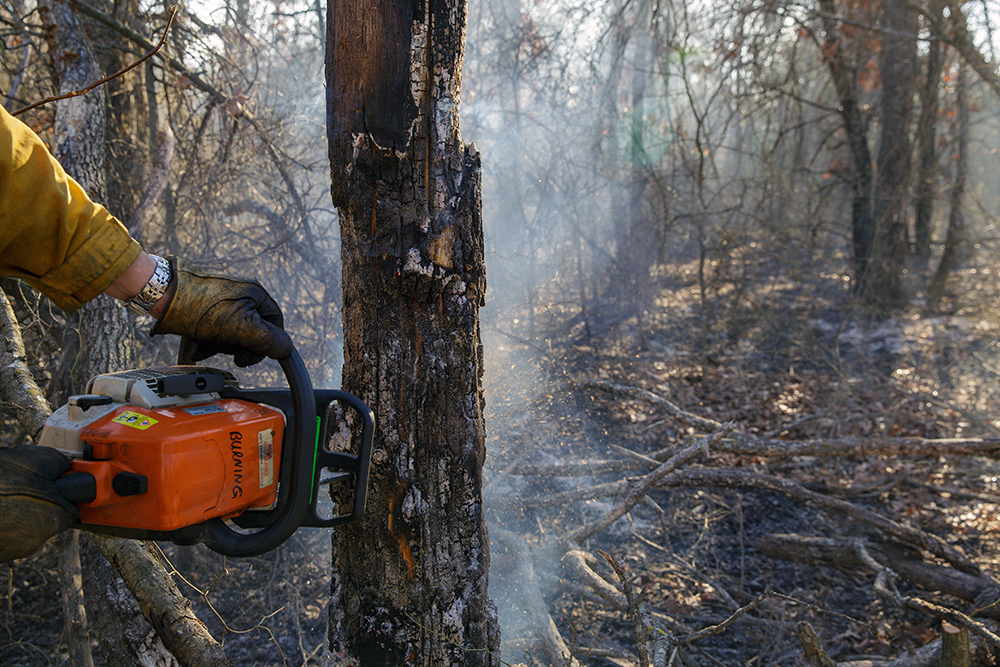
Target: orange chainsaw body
[182, 453]
[202, 461]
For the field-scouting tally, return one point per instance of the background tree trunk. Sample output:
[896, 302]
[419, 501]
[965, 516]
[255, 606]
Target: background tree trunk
[107, 336]
[884, 289]
[409, 584]
[844, 75]
[955, 235]
[927, 138]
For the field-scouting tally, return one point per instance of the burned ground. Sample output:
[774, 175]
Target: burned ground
[784, 363]
[807, 368]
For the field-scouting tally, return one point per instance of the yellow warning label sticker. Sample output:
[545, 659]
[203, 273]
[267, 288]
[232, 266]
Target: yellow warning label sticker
[135, 420]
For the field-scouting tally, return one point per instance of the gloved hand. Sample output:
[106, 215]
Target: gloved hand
[224, 315]
[31, 510]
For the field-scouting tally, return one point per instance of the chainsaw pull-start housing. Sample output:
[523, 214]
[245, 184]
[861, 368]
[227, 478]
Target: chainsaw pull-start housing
[182, 454]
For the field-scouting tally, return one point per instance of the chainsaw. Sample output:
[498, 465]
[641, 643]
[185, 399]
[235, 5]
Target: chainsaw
[182, 453]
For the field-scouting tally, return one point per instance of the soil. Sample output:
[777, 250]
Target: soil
[785, 360]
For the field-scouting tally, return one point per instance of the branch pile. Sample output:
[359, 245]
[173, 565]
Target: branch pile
[714, 455]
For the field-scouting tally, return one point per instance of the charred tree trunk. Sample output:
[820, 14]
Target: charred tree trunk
[883, 288]
[409, 584]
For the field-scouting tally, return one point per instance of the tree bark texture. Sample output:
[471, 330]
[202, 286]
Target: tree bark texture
[955, 236]
[883, 288]
[71, 584]
[844, 74]
[106, 332]
[171, 622]
[80, 147]
[410, 580]
[955, 647]
[17, 385]
[923, 206]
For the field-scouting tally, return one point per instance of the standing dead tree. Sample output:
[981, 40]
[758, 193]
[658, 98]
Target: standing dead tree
[410, 580]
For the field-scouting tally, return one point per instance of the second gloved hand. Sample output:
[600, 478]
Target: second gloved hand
[31, 510]
[224, 315]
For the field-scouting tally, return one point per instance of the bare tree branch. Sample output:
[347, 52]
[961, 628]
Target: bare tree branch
[84, 91]
[16, 382]
[637, 491]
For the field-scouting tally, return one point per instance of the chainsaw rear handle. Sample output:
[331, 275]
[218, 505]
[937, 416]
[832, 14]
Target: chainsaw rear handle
[328, 459]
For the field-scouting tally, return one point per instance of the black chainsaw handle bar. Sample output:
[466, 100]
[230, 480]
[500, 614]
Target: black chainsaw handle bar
[341, 464]
[293, 503]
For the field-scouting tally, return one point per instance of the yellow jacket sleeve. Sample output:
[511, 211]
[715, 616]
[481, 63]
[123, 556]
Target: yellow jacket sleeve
[52, 235]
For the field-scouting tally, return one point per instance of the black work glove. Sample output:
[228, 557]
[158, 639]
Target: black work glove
[31, 510]
[224, 315]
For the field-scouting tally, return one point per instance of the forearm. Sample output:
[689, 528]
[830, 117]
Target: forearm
[52, 235]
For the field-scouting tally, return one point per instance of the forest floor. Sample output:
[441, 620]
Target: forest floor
[785, 363]
[788, 362]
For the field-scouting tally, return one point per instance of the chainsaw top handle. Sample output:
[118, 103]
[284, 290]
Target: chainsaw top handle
[294, 493]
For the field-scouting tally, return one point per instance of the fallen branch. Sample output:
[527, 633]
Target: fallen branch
[847, 552]
[638, 490]
[955, 618]
[724, 625]
[635, 392]
[860, 447]
[727, 478]
[664, 643]
[839, 552]
[633, 611]
[747, 445]
[813, 647]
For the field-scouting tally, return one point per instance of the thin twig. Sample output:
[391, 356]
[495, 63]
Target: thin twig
[721, 627]
[633, 612]
[84, 91]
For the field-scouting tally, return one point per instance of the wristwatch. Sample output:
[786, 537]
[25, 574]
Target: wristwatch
[154, 289]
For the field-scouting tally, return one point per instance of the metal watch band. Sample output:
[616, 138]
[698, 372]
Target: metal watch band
[154, 289]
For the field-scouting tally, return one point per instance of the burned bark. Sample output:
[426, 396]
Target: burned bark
[410, 580]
